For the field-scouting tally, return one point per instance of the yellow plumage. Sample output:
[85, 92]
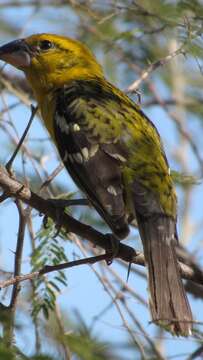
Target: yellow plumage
[73, 61]
[114, 154]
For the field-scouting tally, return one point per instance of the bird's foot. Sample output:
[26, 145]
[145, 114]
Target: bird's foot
[62, 204]
[58, 224]
[113, 250]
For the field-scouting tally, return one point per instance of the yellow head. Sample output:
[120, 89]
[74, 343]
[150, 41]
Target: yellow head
[49, 61]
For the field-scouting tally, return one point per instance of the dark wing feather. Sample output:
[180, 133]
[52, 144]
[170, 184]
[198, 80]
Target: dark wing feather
[96, 173]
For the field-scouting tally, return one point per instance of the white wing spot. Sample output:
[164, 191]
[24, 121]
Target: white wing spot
[112, 190]
[93, 150]
[85, 153]
[75, 127]
[118, 157]
[169, 171]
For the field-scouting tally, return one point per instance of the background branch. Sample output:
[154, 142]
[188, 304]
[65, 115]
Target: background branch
[14, 188]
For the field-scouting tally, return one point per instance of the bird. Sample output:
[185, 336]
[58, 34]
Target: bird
[115, 155]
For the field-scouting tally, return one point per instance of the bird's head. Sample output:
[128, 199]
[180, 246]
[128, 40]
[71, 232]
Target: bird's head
[49, 61]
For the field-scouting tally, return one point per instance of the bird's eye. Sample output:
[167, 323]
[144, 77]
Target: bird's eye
[46, 45]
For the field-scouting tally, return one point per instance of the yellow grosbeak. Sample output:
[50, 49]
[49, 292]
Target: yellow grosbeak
[114, 154]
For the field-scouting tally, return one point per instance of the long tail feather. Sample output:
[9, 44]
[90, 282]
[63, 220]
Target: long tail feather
[168, 301]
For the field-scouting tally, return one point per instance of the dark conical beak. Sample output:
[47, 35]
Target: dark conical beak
[16, 53]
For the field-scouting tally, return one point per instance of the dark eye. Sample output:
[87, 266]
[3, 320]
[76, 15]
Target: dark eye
[46, 45]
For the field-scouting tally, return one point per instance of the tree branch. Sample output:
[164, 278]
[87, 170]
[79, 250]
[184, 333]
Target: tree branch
[146, 73]
[50, 268]
[13, 188]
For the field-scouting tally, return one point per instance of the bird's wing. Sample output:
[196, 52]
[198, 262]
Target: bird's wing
[108, 144]
[92, 163]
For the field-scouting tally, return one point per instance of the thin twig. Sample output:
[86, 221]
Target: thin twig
[146, 73]
[25, 149]
[18, 92]
[116, 297]
[126, 287]
[47, 269]
[120, 296]
[182, 130]
[18, 252]
[10, 162]
[50, 178]
[197, 354]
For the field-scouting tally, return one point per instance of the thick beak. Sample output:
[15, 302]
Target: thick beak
[16, 53]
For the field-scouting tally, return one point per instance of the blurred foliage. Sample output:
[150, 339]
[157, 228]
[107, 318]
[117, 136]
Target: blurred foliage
[49, 250]
[87, 346]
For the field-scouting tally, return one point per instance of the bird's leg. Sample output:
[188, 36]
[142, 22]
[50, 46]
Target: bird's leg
[58, 224]
[61, 204]
[113, 248]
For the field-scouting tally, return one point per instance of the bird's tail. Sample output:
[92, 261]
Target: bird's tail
[168, 301]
